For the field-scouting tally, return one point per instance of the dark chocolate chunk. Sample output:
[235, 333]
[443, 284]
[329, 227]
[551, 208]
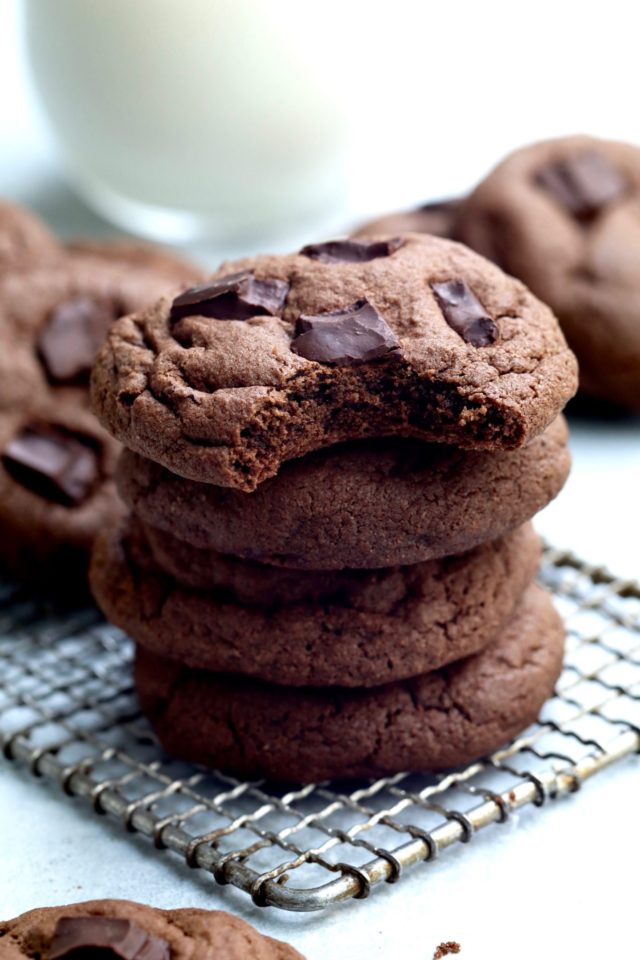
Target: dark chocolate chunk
[351, 335]
[237, 296]
[53, 463]
[439, 206]
[351, 251]
[464, 313]
[102, 938]
[583, 183]
[72, 337]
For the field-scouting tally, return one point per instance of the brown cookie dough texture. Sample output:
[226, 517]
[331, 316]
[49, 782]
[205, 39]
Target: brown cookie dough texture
[44, 373]
[189, 934]
[138, 254]
[25, 242]
[564, 217]
[360, 629]
[372, 504]
[431, 722]
[227, 401]
[437, 218]
[45, 534]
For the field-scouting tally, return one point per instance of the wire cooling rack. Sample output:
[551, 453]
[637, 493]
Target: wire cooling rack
[68, 712]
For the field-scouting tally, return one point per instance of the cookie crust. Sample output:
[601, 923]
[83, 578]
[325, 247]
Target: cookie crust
[371, 629]
[367, 505]
[228, 401]
[41, 540]
[435, 721]
[190, 933]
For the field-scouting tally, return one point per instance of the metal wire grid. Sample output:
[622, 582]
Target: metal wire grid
[68, 712]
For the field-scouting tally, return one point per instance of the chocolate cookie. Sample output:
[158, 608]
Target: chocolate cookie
[437, 218]
[52, 321]
[564, 217]
[25, 242]
[56, 491]
[281, 355]
[138, 254]
[62, 313]
[356, 628]
[368, 504]
[441, 719]
[123, 930]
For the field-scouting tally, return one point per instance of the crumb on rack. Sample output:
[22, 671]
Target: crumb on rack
[445, 948]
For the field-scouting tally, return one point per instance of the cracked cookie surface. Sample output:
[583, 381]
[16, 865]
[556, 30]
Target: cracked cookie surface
[438, 720]
[564, 216]
[367, 504]
[226, 401]
[176, 934]
[350, 628]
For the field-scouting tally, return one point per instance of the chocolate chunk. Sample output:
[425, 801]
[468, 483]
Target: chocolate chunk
[351, 251]
[72, 337]
[439, 206]
[351, 335]
[102, 938]
[237, 296]
[583, 183]
[53, 463]
[464, 313]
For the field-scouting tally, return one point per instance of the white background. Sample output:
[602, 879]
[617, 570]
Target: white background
[454, 86]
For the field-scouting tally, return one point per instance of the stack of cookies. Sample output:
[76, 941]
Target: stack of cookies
[332, 460]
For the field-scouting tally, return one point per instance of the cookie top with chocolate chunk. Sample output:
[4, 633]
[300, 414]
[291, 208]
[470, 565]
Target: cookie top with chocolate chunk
[124, 930]
[56, 462]
[61, 313]
[56, 490]
[564, 216]
[280, 355]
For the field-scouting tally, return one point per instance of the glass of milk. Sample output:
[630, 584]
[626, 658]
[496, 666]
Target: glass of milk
[193, 119]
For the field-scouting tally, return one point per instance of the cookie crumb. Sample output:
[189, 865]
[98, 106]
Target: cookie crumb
[445, 948]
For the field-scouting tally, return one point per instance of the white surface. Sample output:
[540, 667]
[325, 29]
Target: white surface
[563, 882]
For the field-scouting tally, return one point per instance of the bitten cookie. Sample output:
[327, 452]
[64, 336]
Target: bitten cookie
[359, 629]
[281, 355]
[125, 930]
[437, 218]
[364, 505]
[564, 217]
[438, 720]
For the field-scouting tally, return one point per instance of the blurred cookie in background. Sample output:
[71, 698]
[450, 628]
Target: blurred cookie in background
[56, 462]
[56, 492]
[137, 253]
[437, 218]
[564, 216]
[24, 240]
